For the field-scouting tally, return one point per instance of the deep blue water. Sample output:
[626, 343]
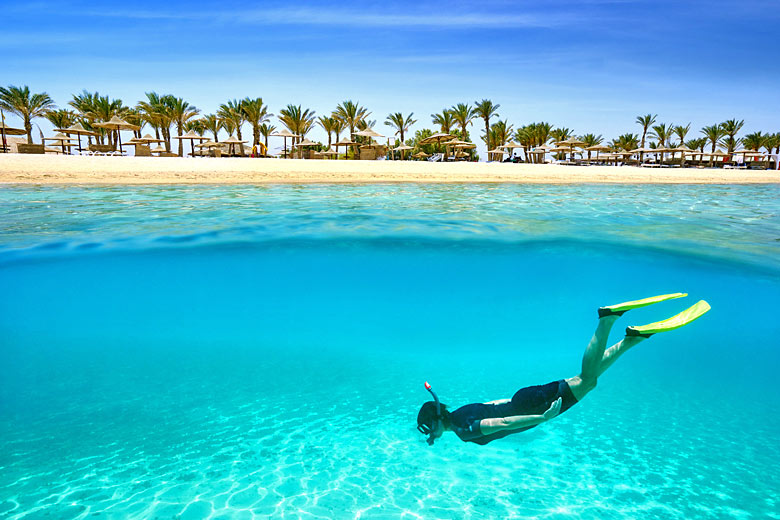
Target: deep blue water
[240, 352]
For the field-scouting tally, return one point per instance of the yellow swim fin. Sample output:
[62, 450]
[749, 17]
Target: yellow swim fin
[675, 322]
[619, 308]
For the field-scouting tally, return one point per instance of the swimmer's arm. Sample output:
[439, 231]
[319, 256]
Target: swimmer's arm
[488, 426]
[499, 401]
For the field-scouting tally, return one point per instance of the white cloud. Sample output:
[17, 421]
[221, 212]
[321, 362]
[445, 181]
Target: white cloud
[429, 19]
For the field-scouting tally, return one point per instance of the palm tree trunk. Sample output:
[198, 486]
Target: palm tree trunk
[180, 127]
[487, 135]
[712, 157]
[28, 127]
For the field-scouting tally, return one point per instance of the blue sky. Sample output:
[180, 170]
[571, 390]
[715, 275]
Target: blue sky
[589, 65]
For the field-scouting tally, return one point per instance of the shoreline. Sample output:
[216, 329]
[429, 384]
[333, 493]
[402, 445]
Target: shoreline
[51, 169]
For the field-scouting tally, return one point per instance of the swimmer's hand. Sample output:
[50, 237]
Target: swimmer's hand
[553, 410]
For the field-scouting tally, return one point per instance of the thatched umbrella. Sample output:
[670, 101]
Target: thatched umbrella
[401, 148]
[598, 148]
[438, 139]
[421, 155]
[159, 148]
[510, 146]
[683, 150]
[330, 151]
[345, 142]
[540, 151]
[61, 139]
[641, 152]
[571, 142]
[77, 129]
[232, 141]
[498, 151]
[305, 144]
[147, 139]
[749, 153]
[368, 132]
[192, 136]
[115, 123]
[285, 133]
[7, 130]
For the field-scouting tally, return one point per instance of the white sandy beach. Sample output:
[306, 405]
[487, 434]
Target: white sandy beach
[51, 169]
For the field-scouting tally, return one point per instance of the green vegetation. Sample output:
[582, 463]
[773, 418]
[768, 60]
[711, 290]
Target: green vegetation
[166, 113]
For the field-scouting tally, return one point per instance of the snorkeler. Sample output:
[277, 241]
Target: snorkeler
[482, 423]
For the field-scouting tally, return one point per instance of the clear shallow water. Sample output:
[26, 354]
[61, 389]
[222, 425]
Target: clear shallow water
[234, 352]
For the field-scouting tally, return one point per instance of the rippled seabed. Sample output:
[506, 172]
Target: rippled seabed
[240, 352]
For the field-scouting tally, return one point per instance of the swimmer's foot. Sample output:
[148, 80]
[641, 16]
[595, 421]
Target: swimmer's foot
[675, 322]
[619, 308]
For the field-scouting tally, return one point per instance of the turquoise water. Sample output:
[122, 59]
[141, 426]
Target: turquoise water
[253, 352]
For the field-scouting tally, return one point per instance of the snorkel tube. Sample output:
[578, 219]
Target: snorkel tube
[437, 420]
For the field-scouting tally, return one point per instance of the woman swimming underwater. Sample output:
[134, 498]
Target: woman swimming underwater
[482, 423]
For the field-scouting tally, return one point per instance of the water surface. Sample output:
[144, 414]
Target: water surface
[244, 352]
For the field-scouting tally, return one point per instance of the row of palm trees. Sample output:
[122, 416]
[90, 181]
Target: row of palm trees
[167, 114]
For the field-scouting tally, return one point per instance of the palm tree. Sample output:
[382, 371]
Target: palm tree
[401, 125]
[731, 128]
[233, 113]
[338, 127]
[486, 109]
[255, 113]
[697, 144]
[83, 104]
[681, 132]
[591, 140]
[755, 141]
[229, 125]
[772, 142]
[730, 142]
[500, 133]
[662, 133]
[713, 134]
[28, 106]
[155, 112]
[560, 134]
[213, 124]
[625, 142]
[195, 125]
[444, 120]
[266, 130]
[463, 115]
[645, 122]
[96, 108]
[181, 112]
[134, 117]
[61, 118]
[351, 114]
[297, 120]
[327, 123]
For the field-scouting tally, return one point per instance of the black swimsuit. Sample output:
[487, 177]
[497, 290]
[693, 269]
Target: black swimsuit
[531, 400]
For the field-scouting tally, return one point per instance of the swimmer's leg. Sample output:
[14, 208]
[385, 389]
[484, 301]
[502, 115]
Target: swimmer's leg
[591, 361]
[618, 349]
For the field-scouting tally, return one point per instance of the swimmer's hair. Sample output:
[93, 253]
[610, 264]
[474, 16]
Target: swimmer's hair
[427, 414]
